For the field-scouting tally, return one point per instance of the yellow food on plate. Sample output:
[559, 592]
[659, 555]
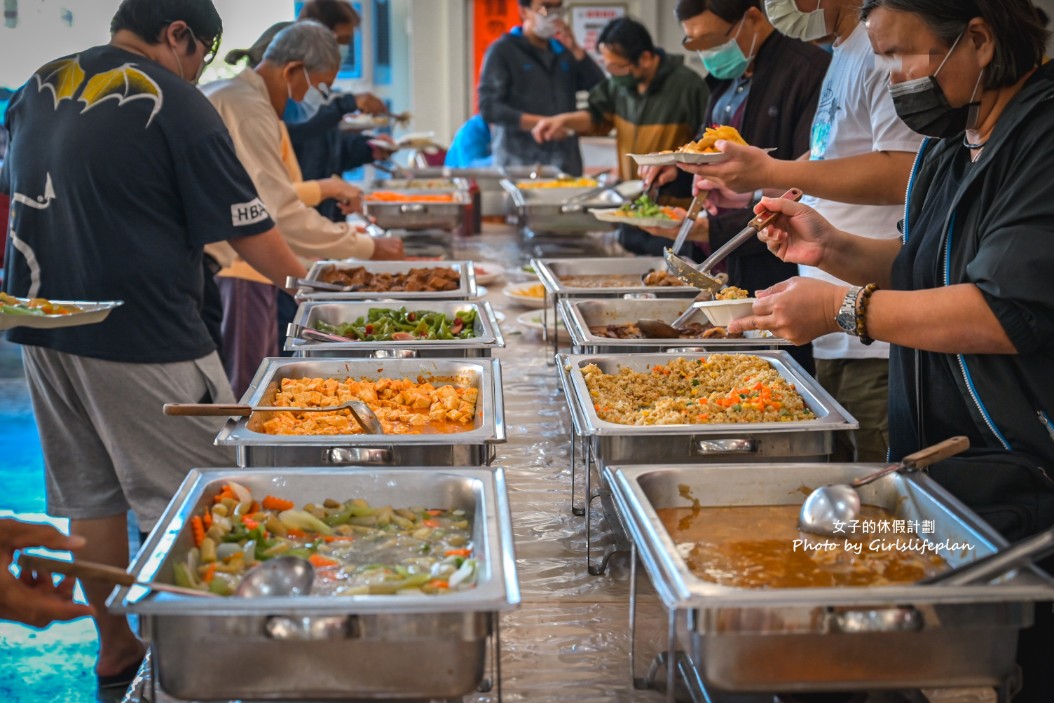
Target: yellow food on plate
[402, 406]
[557, 183]
[732, 293]
[711, 136]
[33, 306]
[536, 290]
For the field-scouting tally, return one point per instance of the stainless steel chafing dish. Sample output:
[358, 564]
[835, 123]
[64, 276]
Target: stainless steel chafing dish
[822, 639]
[328, 647]
[494, 200]
[605, 443]
[474, 447]
[487, 333]
[768, 441]
[634, 268]
[580, 315]
[548, 210]
[421, 184]
[465, 291]
[415, 215]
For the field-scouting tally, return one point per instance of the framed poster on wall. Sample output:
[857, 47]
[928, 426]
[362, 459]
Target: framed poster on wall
[588, 20]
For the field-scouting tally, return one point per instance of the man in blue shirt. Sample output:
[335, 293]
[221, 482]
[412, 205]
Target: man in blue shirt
[533, 72]
[119, 172]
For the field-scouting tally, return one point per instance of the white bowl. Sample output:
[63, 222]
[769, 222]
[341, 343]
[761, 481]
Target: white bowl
[486, 272]
[722, 312]
[511, 292]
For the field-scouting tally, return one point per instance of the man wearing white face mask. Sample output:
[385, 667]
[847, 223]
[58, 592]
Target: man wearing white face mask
[298, 64]
[856, 174]
[532, 72]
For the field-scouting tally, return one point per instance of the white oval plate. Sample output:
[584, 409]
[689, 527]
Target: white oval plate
[609, 215]
[533, 320]
[655, 159]
[91, 313]
[526, 301]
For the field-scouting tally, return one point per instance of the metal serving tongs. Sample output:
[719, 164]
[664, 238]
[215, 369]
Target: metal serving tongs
[294, 282]
[362, 413]
[698, 203]
[700, 277]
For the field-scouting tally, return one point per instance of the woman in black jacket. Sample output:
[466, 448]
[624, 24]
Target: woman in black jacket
[967, 296]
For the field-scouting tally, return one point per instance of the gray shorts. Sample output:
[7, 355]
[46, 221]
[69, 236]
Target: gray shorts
[107, 445]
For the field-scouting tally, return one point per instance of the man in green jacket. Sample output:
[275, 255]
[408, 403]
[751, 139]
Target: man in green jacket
[652, 100]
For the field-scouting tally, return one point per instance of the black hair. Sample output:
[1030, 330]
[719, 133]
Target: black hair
[525, 3]
[255, 53]
[628, 38]
[331, 13]
[148, 18]
[1020, 39]
[729, 10]
[1044, 18]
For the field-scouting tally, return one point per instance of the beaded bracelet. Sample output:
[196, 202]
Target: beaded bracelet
[862, 300]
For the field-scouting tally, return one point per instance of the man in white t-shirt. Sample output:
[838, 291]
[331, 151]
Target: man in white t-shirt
[856, 175]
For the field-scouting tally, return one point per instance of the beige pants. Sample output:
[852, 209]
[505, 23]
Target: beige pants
[862, 387]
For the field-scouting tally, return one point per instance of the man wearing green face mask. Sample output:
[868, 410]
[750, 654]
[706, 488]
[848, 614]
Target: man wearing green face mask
[652, 100]
[765, 85]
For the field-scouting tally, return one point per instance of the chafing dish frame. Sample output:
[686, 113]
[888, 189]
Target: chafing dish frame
[547, 210]
[604, 443]
[732, 629]
[550, 271]
[466, 290]
[312, 627]
[488, 333]
[473, 447]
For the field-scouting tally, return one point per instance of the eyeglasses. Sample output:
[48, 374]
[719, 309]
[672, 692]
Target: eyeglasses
[713, 38]
[211, 48]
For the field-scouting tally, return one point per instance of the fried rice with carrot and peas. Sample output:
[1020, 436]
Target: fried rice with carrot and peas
[723, 388]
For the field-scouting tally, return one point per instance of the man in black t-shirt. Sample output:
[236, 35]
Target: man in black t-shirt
[119, 172]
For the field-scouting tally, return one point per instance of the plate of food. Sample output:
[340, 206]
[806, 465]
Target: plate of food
[535, 321]
[659, 158]
[642, 212]
[529, 295]
[362, 121]
[729, 304]
[487, 272]
[701, 151]
[49, 314]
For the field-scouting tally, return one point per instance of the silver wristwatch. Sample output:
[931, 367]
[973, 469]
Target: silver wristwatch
[846, 317]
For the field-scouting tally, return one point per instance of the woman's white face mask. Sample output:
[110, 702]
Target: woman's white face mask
[792, 22]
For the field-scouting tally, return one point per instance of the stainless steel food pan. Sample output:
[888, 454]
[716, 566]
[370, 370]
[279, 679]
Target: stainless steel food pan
[579, 315]
[633, 268]
[416, 215]
[487, 333]
[474, 447]
[465, 291]
[614, 443]
[327, 647]
[816, 639]
[550, 210]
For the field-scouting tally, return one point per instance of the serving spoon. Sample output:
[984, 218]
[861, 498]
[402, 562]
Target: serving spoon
[281, 576]
[360, 411]
[838, 504]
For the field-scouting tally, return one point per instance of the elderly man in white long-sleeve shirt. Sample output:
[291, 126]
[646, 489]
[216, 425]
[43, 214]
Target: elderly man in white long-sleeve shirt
[298, 65]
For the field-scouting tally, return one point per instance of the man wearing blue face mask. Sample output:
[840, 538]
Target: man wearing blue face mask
[298, 64]
[765, 85]
[855, 172]
[529, 73]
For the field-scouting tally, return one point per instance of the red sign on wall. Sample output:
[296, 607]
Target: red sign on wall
[490, 20]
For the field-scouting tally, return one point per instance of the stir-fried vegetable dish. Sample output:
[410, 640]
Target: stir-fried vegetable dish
[646, 207]
[10, 305]
[388, 325]
[356, 548]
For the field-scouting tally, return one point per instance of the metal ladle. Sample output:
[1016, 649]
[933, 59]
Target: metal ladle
[281, 576]
[838, 504]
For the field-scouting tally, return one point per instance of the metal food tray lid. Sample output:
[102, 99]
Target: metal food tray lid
[483, 489]
[614, 311]
[485, 374]
[550, 271]
[466, 290]
[333, 312]
[639, 490]
[830, 415]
